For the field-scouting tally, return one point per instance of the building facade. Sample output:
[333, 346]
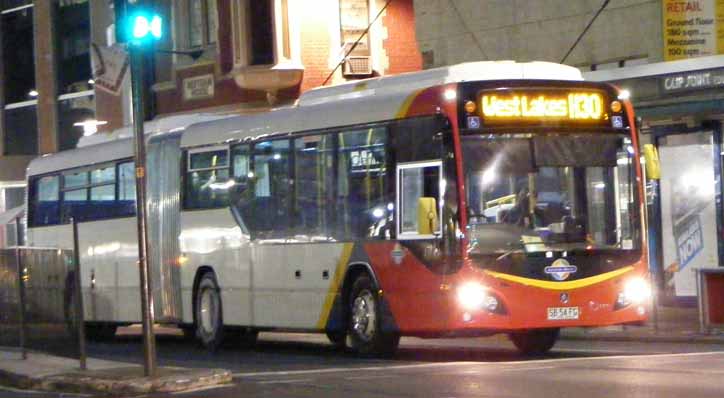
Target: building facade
[668, 54]
[63, 75]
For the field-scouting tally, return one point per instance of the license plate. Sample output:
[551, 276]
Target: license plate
[562, 313]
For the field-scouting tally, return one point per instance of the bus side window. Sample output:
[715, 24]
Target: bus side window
[314, 185]
[75, 196]
[46, 201]
[207, 179]
[419, 199]
[362, 209]
[126, 205]
[272, 194]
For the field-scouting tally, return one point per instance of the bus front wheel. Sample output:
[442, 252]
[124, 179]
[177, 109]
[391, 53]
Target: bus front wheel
[535, 341]
[208, 317]
[364, 332]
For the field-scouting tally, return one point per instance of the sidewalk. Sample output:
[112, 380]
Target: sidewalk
[671, 325]
[50, 373]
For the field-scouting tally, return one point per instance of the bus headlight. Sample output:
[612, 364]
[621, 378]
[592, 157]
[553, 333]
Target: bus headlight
[635, 291]
[471, 296]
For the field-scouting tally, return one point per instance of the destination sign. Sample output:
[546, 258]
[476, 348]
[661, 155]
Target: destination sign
[537, 106]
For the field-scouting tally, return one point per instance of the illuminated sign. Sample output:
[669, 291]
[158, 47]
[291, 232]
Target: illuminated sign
[576, 106]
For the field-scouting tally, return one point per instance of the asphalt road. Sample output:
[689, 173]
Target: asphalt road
[308, 366]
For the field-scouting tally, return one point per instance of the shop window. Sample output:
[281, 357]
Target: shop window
[76, 118]
[18, 60]
[20, 135]
[260, 32]
[203, 22]
[354, 18]
[73, 46]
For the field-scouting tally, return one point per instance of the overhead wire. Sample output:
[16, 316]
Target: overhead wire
[590, 23]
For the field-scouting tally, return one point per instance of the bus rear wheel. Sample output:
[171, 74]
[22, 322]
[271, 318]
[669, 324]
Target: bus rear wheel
[365, 334]
[208, 317]
[536, 341]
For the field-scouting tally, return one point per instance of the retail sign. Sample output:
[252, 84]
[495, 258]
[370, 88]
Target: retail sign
[199, 87]
[699, 80]
[693, 28]
[109, 67]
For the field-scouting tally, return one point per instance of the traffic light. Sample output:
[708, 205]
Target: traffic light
[137, 23]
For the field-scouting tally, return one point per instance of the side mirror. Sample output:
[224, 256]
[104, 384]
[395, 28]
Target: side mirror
[427, 218]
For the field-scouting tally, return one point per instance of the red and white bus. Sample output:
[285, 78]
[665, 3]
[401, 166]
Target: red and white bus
[481, 198]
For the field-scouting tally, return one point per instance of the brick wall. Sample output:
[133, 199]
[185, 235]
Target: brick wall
[401, 43]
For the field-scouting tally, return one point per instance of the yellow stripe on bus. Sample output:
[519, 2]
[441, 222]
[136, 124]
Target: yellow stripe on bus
[334, 285]
[402, 112]
[561, 285]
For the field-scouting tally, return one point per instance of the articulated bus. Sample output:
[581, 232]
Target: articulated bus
[481, 198]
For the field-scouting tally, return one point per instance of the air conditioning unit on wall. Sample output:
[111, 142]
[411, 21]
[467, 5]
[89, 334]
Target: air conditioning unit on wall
[357, 65]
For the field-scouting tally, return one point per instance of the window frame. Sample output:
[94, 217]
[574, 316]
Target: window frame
[400, 167]
[208, 38]
[187, 170]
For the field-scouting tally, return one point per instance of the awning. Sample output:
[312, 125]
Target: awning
[11, 215]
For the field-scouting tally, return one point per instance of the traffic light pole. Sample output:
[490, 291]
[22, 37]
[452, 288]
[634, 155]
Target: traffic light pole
[149, 341]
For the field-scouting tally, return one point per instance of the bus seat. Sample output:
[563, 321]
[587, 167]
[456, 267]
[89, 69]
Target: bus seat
[427, 219]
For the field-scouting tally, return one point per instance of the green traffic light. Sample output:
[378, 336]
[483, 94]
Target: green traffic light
[144, 28]
[140, 27]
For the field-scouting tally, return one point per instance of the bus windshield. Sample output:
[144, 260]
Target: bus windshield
[535, 192]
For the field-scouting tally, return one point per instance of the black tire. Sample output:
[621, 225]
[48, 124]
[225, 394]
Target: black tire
[535, 341]
[364, 332]
[338, 339]
[208, 316]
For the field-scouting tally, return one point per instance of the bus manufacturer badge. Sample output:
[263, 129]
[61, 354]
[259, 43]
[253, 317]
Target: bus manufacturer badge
[560, 270]
[397, 254]
[564, 298]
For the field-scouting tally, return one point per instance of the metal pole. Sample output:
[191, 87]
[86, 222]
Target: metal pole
[21, 289]
[149, 342]
[78, 292]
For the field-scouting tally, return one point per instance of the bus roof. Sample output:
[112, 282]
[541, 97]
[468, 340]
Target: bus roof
[351, 103]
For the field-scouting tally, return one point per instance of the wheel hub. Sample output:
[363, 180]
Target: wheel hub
[363, 315]
[208, 311]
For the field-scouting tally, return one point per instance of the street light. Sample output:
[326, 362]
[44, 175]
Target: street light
[141, 27]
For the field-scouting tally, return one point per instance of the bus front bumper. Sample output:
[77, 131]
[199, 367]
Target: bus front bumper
[493, 303]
